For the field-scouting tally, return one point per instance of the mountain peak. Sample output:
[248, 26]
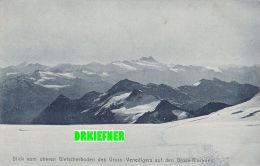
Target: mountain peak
[148, 59]
[60, 101]
[164, 104]
[125, 85]
[90, 95]
[210, 108]
[214, 80]
[22, 64]
[126, 81]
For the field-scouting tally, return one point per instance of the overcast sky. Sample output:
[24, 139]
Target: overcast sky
[176, 31]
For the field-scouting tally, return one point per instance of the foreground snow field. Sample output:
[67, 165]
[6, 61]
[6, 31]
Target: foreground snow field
[230, 137]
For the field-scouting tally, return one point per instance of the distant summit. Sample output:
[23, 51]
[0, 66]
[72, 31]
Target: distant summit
[148, 59]
[22, 64]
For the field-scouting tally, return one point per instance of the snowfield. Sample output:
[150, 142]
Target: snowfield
[47, 75]
[130, 115]
[230, 137]
[124, 66]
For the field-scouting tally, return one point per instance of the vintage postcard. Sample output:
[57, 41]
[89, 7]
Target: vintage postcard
[130, 82]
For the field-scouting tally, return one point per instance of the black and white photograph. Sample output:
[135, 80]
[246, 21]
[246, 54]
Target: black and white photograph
[130, 82]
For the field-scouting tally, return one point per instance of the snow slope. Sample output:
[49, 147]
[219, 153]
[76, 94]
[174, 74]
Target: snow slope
[131, 114]
[247, 111]
[226, 138]
[124, 66]
[46, 76]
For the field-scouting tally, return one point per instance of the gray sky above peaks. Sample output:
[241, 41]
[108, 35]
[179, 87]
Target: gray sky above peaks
[201, 32]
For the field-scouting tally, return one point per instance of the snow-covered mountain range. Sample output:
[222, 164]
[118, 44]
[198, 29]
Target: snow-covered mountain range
[131, 102]
[136, 91]
[144, 70]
